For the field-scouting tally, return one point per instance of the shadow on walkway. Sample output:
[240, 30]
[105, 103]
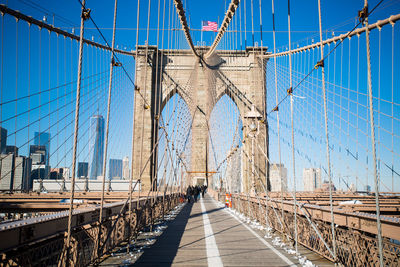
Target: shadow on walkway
[164, 250]
[208, 212]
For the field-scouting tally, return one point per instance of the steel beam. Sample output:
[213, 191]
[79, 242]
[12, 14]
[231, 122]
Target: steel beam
[18, 15]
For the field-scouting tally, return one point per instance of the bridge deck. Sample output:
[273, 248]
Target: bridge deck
[204, 234]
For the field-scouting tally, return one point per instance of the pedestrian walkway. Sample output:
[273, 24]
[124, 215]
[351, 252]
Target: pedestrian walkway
[204, 234]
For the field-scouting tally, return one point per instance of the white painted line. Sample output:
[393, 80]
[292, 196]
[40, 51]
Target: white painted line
[277, 252]
[213, 257]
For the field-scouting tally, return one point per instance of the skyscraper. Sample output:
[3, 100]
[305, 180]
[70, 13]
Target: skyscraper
[22, 174]
[115, 169]
[126, 174]
[83, 169]
[7, 172]
[96, 146]
[15, 172]
[38, 154]
[3, 139]
[43, 139]
[311, 178]
[278, 177]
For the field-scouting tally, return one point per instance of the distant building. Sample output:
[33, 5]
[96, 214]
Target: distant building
[43, 139]
[368, 188]
[7, 172]
[311, 179]
[15, 172]
[22, 174]
[278, 177]
[59, 173]
[126, 171]
[83, 169]
[12, 150]
[66, 173]
[115, 169]
[40, 172]
[325, 186]
[96, 146]
[38, 154]
[3, 140]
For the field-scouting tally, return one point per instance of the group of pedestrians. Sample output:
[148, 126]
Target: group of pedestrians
[193, 192]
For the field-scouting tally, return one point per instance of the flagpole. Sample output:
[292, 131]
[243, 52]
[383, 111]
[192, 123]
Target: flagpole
[201, 38]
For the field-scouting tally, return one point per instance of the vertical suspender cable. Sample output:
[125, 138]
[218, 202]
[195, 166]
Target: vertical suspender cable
[392, 104]
[2, 73]
[157, 116]
[29, 85]
[328, 158]
[145, 87]
[245, 26]
[277, 110]
[266, 140]
[58, 82]
[291, 114]
[16, 93]
[48, 141]
[112, 63]
[252, 23]
[371, 113]
[133, 127]
[240, 28]
[77, 105]
[156, 109]
[160, 111]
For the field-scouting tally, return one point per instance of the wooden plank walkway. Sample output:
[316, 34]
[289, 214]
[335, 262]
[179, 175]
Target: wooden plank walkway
[204, 234]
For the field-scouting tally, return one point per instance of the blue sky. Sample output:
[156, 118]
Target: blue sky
[338, 16]
[60, 65]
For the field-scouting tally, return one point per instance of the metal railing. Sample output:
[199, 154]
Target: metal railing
[40, 240]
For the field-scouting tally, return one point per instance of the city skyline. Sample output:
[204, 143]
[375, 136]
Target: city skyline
[18, 172]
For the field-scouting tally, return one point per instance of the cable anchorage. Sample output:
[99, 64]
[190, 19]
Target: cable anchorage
[116, 63]
[363, 14]
[319, 64]
[86, 13]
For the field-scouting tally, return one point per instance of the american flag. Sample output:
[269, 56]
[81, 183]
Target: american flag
[209, 26]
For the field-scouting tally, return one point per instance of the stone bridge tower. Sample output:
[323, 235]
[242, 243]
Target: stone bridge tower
[201, 82]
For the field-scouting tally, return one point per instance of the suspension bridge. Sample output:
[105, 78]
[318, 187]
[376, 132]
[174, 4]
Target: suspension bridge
[288, 115]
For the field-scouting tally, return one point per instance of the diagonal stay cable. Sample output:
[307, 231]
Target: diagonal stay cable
[114, 54]
[321, 62]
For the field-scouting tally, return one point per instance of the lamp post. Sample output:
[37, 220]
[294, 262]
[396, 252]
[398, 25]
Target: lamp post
[252, 118]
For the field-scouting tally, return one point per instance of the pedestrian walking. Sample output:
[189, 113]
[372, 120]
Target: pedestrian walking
[189, 192]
